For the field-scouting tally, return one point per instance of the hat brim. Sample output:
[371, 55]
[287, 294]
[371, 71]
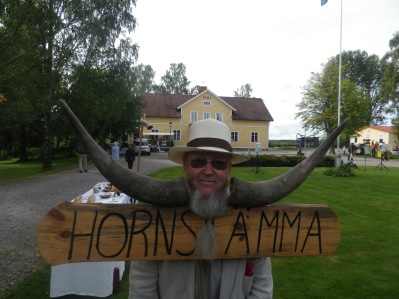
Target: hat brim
[176, 154]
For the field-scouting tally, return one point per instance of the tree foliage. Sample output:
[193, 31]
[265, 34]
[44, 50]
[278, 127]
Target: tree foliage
[390, 81]
[318, 109]
[47, 43]
[361, 100]
[244, 91]
[144, 78]
[366, 71]
[174, 81]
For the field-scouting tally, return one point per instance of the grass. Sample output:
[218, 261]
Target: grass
[13, 171]
[366, 263]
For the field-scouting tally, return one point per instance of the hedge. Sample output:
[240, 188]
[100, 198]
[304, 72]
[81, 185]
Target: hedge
[282, 161]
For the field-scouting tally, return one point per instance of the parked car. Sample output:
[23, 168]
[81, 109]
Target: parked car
[145, 147]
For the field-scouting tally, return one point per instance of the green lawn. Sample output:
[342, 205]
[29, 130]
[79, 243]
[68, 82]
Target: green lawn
[366, 263]
[12, 171]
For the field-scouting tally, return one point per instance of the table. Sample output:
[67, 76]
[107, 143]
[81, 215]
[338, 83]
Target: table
[89, 279]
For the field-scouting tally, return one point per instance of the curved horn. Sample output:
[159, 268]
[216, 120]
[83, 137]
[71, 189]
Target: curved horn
[143, 188]
[254, 194]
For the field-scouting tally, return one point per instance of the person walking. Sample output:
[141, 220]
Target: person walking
[130, 156]
[384, 151]
[115, 151]
[82, 154]
[351, 150]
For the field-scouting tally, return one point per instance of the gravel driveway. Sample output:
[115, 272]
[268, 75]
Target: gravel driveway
[23, 204]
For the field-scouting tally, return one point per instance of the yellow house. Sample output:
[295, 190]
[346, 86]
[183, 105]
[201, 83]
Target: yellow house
[377, 134]
[248, 118]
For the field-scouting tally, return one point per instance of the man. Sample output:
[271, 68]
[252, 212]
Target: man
[384, 151]
[82, 158]
[207, 161]
[130, 156]
[352, 150]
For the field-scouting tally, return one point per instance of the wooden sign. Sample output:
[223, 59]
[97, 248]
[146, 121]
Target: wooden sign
[73, 232]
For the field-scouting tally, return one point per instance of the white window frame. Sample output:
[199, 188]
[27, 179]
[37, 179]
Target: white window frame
[234, 136]
[176, 135]
[206, 115]
[207, 103]
[254, 137]
[193, 117]
[219, 116]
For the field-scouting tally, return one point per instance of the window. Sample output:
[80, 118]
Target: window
[206, 115]
[219, 116]
[206, 103]
[193, 116]
[155, 136]
[254, 137]
[176, 135]
[234, 136]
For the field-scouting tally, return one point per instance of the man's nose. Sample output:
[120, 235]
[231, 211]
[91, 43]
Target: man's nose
[208, 168]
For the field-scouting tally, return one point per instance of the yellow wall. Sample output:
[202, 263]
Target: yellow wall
[376, 135]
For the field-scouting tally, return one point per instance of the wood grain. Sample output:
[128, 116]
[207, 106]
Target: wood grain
[73, 232]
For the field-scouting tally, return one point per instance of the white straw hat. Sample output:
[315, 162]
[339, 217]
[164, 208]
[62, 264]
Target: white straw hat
[207, 135]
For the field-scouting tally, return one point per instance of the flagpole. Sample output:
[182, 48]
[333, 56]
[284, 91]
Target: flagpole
[339, 76]
[338, 160]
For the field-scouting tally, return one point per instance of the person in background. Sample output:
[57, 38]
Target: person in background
[206, 161]
[130, 155]
[351, 151]
[82, 154]
[373, 148]
[115, 151]
[384, 151]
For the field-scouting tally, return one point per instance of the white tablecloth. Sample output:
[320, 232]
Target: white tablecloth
[88, 279]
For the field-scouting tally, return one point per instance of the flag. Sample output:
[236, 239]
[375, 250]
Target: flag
[323, 2]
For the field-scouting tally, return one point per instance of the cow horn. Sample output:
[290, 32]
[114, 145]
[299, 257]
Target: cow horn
[253, 194]
[143, 188]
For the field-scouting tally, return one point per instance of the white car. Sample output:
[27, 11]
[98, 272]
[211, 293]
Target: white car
[145, 148]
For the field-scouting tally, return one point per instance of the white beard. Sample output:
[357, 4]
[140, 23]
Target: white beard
[208, 207]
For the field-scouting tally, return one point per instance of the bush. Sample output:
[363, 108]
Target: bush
[343, 171]
[282, 161]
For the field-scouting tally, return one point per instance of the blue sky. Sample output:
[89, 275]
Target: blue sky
[272, 45]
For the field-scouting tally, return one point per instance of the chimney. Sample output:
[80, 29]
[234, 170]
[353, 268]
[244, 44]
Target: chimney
[201, 89]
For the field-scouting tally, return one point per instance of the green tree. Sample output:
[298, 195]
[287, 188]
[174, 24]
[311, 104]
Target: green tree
[244, 91]
[318, 109]
[108, 102]
[390, 81]
[175, 81]
[366, 71]
[62, 35]
[144, 77]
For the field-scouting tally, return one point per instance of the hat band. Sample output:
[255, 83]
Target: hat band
[213, 142]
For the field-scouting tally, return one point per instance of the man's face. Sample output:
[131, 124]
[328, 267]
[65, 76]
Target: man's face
[208, 177]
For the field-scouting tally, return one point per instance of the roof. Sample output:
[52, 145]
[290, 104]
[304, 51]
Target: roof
[166, 105]
[387, 129]
[207, 90]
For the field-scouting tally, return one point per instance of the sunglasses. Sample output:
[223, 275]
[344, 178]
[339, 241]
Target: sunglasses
[201, 162]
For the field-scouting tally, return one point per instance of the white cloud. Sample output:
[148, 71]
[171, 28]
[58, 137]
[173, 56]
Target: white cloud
[272, 45]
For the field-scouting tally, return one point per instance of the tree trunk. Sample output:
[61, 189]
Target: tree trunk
[47, 141]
